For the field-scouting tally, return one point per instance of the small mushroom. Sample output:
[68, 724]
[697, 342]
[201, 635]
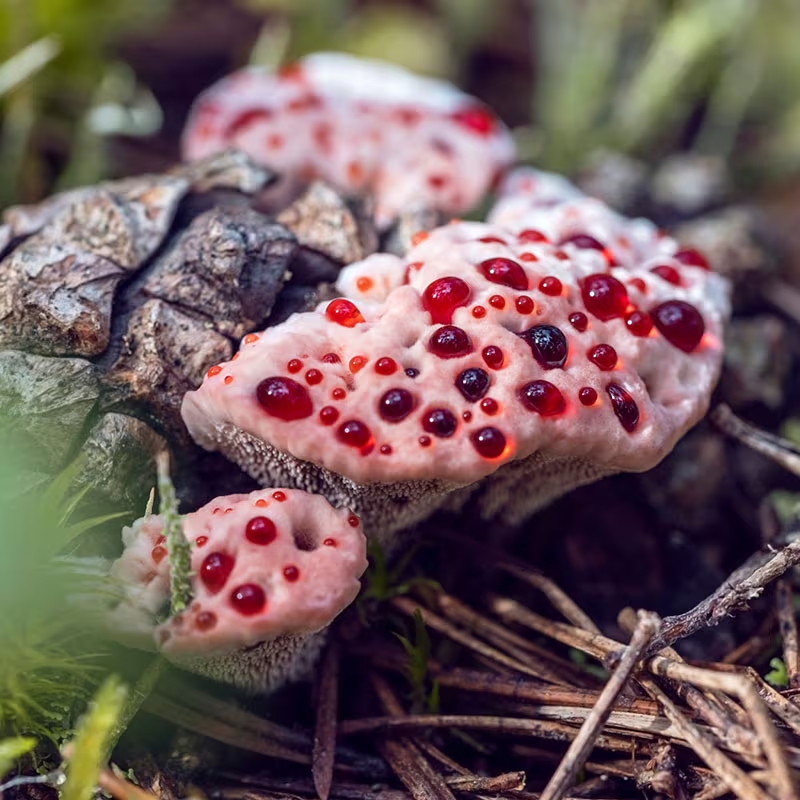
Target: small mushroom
[364, 126]
[271, 569]
[518, 359]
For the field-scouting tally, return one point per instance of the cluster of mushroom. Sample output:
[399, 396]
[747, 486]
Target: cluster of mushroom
[360, 125]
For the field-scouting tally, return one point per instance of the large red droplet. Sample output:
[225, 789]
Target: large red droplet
[624, 407]
[578, 320]
[261, 530]
[248, 599]
[680, 324]
[692, 258]
[476, 118]
[440, 422]
[473, 383]
[489, 442]
[587, 395]
[584, 242]
[542, 397]
[328, 415]
[668, 273]
[450, 342]
[385, 366]
[548, 345]
[343, 312]
[442, 297]
[291, 573]
[215, 569]
[493, 356]
[354, 433]
[639, 323]
[550, 285]
[505, 272]
[604, 296]
[603, 356]
[396, 404]
[284, 398]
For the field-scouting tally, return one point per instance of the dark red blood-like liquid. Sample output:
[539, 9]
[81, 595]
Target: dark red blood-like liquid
[396, 404]
[385, 366]
[328, 415]
[639, 323]
[354, 433]
[473, 383]
[440, 422]
[284, 398]
[205, 620]
[476, 118]
[261, 530]
[493, 356]
[215, 569]
[692, 258]
[680, 324]
[489, 442]
[587, 395]
[343, 312]
[624, 407]
[450, 342]
[530, 236]
[548, 345]
[291, 573]
[579, 321]
[550, 285]
[604, 296]
[505, 272]
[668, 273]
[442, 297]
[524, 304]
[248, 599]
[542, 397]
[603, 356]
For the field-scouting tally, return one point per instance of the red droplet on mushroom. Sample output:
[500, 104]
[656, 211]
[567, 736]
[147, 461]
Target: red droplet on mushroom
[412, 372]
[364, 283]
[354, 433]
[542, 397]
[425, 441]
[215, 370]
[604, 296]
[548, 345]
[261, 503]
[492, 239]
[490, 406]
[639, 284]
[357, 363]
[205, 620]
[158, 553]
[329, 542]
[284, 398]
[692, 258]
[201, 540]
[279, 496]
[603, 356]
[680, 323]
[331, 358]
[261, 530]
[530, 236]
[248, 599]
[343, 312]
[353, 521]
[524, 304]
[440, 422]
[291, 573]
[473, 383]
[338, 393]
[505, 272]
[579, 321]
[476, 118]
[215, 569]
[587, 395]
[386, 449]
[492, 356]
[295, 365]
[550, 285]
[667, 273]
[479, 312]
[249, 117]
[528, 257]
[450, 342]
[639, 323]
[442, 297]
[466, 416]
[385, 366]
[313, 377]
[396, 404]
[328, 415]
[624, 407]
[583, 241]
[489, 442]
[497, 301]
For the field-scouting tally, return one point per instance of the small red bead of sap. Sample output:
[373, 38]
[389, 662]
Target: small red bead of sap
[396, 404]
[450, 342]
[328, 415]
[284, 398]
[466, 416]
[228, 379]
[505, 272]
[529, 236]
[528, 257]
[489, 442]
[490, 406]
[329, 542]
[587, 396]
[261, 530]
[214, 371]
[261, 503]
[386, 449]
[667, 273]
[584, 242]
[492, 356]
[248, 599]
[524, 304]
[550, 285]
[357, 363]
[313, 377]
[364, 283]
[680, 324]
[579, 321]
[639, 323]
[158, 553]
[624, 407]
[639, 284]
[603, 356]
[492, 239]
[497, 301]
[215, 569]
[205, 620]
[295, 365]
[279, 496]
[692, 258]
[201, 540]
[353, 521]
[542, 397]
[442, 297]
[343, 312]
[331, 358]
[425, 441]
[338, 394]
[478, 312]
[385, 366]
[291, 573]
[354, 433]
[440, 422]
[604, 296]
[476, 118]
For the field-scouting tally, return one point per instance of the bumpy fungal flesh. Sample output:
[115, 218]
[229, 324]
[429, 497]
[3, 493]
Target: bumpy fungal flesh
[361, 125]
[532, 353]
[271, 569]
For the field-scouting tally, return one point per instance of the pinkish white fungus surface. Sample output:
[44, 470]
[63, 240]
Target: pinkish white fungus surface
[361, 125]
[270, 570]
[555, 344]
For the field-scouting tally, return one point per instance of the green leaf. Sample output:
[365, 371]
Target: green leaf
[11, 750]
[91, 745]
[778, 676]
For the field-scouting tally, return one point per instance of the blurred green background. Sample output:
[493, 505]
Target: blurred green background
[93, 88]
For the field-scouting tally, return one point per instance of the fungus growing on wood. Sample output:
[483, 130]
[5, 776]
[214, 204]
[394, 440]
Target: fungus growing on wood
[364, 126]
[270, 570]
[558, 343]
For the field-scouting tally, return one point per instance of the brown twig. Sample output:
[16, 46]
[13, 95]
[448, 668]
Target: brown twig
[787, 622]
[323, 753]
